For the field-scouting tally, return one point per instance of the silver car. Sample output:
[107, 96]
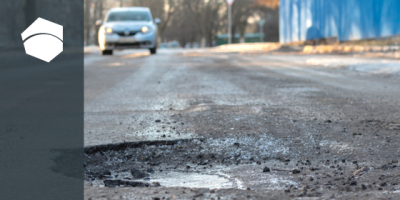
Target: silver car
[128, 28]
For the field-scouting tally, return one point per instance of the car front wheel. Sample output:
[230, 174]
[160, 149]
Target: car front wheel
[107, 52]
[153, 50]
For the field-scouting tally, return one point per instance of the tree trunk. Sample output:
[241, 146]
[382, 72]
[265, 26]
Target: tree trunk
[203, 42]
[158, 41]
[192, 39]
[87, 26]
[97, 16]
[233, 34]
[242, 30]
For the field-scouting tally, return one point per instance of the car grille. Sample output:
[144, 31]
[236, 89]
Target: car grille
[131, 33]
[131, 44]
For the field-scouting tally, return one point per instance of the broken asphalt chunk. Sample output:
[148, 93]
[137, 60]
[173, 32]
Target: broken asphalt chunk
[296, 171]
[266, 169]
[115, 183]
[137, 173]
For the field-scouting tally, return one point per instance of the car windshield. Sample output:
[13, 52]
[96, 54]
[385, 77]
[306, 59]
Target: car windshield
[128, 16]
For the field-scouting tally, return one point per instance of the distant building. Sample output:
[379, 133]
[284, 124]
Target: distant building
[344, 20]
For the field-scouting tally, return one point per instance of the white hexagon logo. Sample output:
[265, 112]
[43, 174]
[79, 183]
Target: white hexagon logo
[43, 39]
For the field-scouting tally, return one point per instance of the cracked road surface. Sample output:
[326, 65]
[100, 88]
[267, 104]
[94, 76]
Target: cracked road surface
[207, 124]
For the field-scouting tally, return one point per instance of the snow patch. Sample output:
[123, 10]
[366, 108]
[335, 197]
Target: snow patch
[373, 66]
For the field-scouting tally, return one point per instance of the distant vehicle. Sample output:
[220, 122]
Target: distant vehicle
[163, 45]
[196, 45]
[187, 46]
[193, 45]
[128, 28]
[174, 44]
[170, 45]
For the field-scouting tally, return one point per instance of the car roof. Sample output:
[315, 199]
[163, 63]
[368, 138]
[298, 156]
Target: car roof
[129, 9]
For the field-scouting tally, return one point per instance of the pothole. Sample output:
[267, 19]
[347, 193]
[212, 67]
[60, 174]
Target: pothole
[230, 162]
[194, 163]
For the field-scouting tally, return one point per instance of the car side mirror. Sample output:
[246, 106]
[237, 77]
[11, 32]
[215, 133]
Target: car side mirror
[99, 22]
[157, 21]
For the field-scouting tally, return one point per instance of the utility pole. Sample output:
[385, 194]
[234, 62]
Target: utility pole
[230, 2]
[261, 24]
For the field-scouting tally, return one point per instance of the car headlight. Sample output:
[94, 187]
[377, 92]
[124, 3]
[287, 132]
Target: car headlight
[145, 29]
[109, 30]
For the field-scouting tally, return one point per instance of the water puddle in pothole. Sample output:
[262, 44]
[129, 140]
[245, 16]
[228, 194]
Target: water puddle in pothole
[174, 179]
[192, 180]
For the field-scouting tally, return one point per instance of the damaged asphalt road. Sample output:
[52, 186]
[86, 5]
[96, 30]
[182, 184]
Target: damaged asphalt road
[203, 125]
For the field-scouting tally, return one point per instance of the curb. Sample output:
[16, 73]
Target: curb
[348, 49]
[307, 48]
[250, 47]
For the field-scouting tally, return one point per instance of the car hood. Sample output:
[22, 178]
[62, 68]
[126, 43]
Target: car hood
[122, 26]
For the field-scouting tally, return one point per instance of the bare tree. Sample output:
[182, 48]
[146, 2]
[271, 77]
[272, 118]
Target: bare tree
[241, 11]
[269, 10]
[162, 9]
[181, 29]
[87, 21]
[167, 16]
[205, 14]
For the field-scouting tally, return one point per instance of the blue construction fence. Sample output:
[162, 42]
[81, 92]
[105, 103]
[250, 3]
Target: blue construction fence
[302, 20]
